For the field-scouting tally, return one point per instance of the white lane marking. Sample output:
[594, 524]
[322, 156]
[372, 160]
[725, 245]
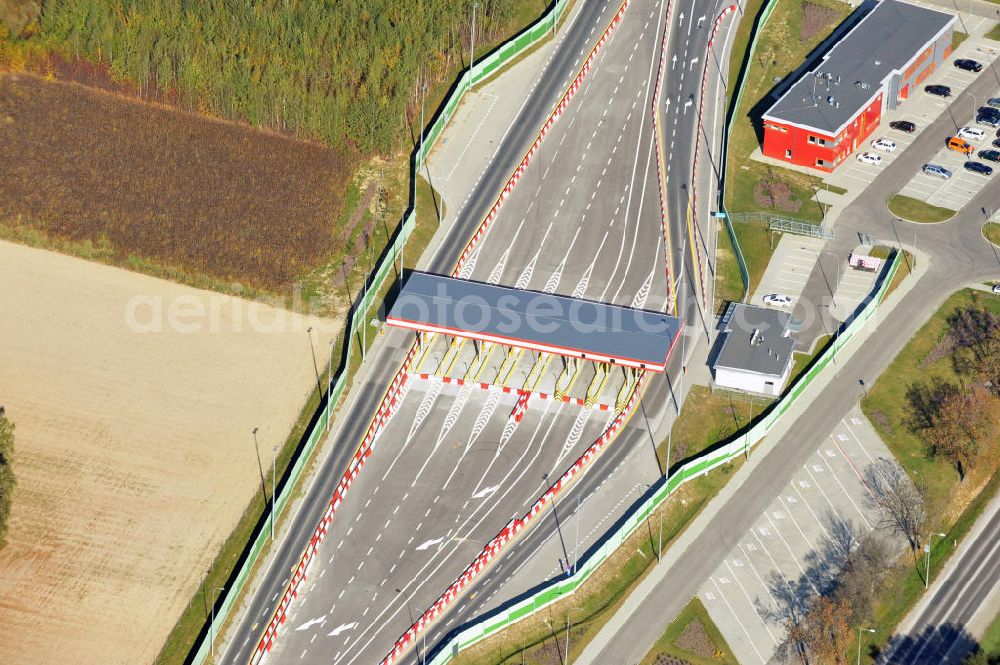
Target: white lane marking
[550, 286]
[489, 407]
[342, 628]
[485, 492]
[456, 409]
[429, 544]
[525, 278]
[581, 286]
[422, 412]
[311, 623]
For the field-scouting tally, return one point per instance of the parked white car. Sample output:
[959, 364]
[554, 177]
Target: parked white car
[869, 158]
[971, 134]
[884, 144]
[777, 300]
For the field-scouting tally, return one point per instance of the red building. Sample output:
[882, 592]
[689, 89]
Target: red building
[885, 50]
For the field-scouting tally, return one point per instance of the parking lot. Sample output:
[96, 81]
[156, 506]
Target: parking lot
[853, 286]
[789, 268]
[922, 109]
[794, 548]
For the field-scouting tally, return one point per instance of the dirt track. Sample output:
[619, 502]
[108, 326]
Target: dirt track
[134, 449]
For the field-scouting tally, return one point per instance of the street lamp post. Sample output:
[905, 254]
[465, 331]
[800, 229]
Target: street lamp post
[274, 484]
[211, 626]
[927, 551]
[329, 389]
[472, 46]
[833, 300]
[867, 630]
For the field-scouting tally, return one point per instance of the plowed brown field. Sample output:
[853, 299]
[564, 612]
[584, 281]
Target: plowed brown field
[169, 187]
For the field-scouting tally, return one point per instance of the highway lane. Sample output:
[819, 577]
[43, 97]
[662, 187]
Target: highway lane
[448, 472]
[584, 219]
[255, 610]
[939, 633]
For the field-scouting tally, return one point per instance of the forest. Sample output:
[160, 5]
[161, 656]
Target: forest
[344, 72]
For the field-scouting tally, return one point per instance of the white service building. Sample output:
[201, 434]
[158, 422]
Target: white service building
[756, 350]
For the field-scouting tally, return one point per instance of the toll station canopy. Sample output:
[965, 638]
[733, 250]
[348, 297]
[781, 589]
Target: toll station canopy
[538, 321]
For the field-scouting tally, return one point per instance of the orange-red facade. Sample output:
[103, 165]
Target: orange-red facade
[808, 147]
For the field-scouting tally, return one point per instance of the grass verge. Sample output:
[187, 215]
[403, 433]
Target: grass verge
[692, 637]
[991, 231]
[952, 506]
[994, 32]
[787, 38]
[757, 243]
[914, 210]
[708, 417]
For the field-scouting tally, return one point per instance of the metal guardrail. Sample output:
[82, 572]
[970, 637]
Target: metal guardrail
[800, 228]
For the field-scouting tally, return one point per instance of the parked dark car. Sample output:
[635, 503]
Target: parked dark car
[903, 126]
[978, 167]
[990, 155]
[988, 120]
[996, 143]
[968, 65]
[938, 90]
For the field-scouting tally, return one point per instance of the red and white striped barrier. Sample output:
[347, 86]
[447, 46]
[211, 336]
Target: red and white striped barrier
[389, 405]
[660, 175]
[482, 385]
[697, 146]
[513, 528]
[558, 111]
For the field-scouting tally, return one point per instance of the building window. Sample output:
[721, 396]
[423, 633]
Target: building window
[820, 162]
[788, 154]
[812, 139]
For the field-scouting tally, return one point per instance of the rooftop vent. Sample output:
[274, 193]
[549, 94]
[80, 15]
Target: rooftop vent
[756, 338]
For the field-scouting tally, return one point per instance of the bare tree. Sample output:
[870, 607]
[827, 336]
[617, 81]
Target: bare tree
[901, 503]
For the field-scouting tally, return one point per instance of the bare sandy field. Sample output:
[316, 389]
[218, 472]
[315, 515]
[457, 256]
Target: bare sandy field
[135, 455]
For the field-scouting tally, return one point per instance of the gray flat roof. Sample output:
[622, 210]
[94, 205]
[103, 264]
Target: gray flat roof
[755, 340]
[882, 42]
[539, 321]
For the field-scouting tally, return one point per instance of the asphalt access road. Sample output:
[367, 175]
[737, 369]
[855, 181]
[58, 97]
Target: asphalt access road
[957, 255]
[939, 635]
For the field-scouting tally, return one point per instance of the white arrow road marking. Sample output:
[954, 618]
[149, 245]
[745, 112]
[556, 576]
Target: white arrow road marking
[673, 62]
[342, 627]
[312, 622]
[429, 544]
[485, 492]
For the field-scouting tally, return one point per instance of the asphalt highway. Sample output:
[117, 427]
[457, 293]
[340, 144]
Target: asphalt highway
[387, 356]
[443, 440]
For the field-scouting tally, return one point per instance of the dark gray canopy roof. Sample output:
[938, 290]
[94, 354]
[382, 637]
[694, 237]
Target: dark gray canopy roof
[540, 321]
